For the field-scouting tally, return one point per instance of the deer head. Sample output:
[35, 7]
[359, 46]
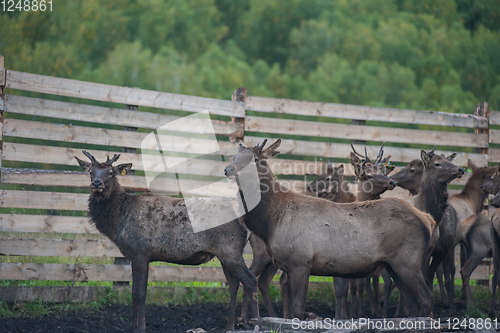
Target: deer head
[103, 175]
[246, 155]
[439, 167]
[333, 177]
[372, 176]
[410, 177]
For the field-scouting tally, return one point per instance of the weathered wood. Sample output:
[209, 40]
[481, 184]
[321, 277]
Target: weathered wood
[43, 200]
[99, 114]
[368, 113]
[482, 110]
[61, 294]
[59, 247]
[87, 272]
[123, 95]
[418, 324]
[339, 150]
[368, 133]
[134, 183]
[108, 137]
[46, 223]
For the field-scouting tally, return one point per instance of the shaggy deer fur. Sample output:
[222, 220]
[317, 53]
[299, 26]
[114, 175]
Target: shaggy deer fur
[151, 227]
[307, 235]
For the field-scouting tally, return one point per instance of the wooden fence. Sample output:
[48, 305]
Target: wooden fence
[43, 198]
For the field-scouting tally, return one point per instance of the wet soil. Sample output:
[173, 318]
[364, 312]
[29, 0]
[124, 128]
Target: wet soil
[212, 317]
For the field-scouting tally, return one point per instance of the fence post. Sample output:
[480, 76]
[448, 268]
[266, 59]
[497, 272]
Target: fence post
[121, 260]
[3, 78]
[239, 95]
[483, 110]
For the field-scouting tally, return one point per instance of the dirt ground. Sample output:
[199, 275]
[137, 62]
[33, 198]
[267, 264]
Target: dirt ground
[166, 319]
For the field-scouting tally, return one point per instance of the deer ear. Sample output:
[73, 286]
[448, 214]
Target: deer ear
[354, 159]
[358, 169]
[471, 165]
[86, 166]
[340, 169]
[451, 157]
[425, 158]
[122, 169]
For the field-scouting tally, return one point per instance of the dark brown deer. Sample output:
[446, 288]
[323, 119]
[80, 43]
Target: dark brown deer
[372, 183]
[470, 231]
[493, 187]
[151, 227]
[311, 236]
[332, 185]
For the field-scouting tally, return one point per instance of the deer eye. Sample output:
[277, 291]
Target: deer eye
[370, 176]
[437, 164]
[412, 170]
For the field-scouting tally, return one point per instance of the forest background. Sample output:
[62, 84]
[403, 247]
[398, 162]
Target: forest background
[429, 55]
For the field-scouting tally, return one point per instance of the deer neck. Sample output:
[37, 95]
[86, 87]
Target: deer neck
[105, 210]
[473, 194]
[262, 219]
[432, 198]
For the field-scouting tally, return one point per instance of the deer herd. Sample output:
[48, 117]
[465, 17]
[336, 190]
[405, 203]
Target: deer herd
[328, 231]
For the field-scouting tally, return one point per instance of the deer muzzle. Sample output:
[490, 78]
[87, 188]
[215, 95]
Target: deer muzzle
[97, 185]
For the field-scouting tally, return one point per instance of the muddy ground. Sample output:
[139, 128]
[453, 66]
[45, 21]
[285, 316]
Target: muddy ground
[166, 319]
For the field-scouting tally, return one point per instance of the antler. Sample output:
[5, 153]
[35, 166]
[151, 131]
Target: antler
[355, 152]
[262, 145]
[91, 158]
[380, 154]
[111, 161]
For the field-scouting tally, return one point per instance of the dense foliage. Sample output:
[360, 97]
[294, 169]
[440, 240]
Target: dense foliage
[428, 54]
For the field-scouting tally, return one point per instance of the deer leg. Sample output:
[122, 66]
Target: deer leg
[360, 288]
[257, 266]
[464, 256]
[374, 305]
[496, 271]
[140, 268]
[387, 291]
[439, 276]
[411, 283]
[340, 286]
[299, 283]
[264, 281]
[475, 259]
[237, 268]
[449, 281]
[286, 295]
[233, 283]
[352, 286]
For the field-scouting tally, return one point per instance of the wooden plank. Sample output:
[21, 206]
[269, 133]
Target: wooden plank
[494, 155]
[494, 136]
[117, 138]
[494, 117]
[123, 95]
[368, 133]
[46, 223]
[328, 150]
[99, 114]
[78, 272]
[358, 112]
[134, 183]
[44, 200]
[59, 247]
[62, 294]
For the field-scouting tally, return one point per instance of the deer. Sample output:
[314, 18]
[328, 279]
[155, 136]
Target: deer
[332, 185]
[339, 192]
[468, 231]
[372, 183]
[312, 236]
[152, 227]
[493, 187]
